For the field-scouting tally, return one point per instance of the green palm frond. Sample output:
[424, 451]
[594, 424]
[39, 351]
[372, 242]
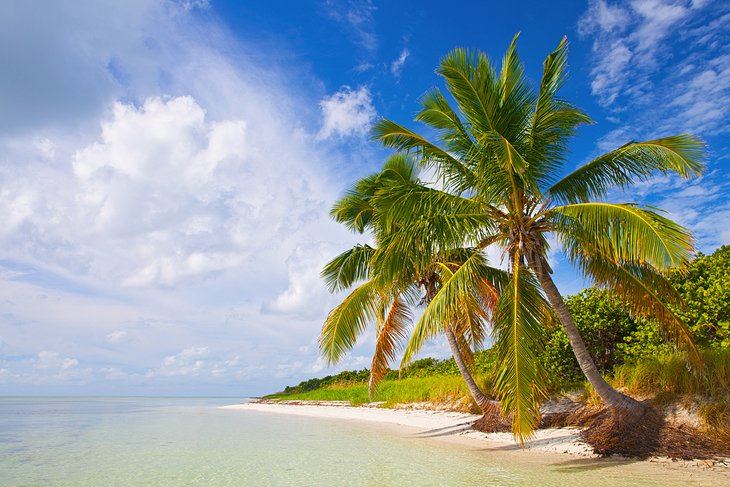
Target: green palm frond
[622, 232]
[389, 337]
[472, 81]
[452, 299]
[554, 120]
[403, 204]
[635, 161]
[438, 114]
[517, 332]
[346, 322]
[347, 268]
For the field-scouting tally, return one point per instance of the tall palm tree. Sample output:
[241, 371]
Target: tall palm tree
[500, 153]
[388, 300]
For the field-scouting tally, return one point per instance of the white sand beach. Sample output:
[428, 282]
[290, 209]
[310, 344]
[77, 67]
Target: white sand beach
[549, 446]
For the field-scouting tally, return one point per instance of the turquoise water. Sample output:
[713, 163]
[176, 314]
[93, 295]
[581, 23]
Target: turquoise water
[190, 442]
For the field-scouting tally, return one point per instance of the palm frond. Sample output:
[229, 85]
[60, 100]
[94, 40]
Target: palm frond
[554, 120]
[629, 164]
[623, 232]
[347, 268]
[390, 336]
[457, 292]
[346, 322]
[517, 333]
[472, 81]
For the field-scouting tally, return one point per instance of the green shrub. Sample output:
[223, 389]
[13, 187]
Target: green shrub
[603, 323]
[705, 287]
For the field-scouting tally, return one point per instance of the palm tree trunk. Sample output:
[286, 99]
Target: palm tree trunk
[612, 397]
[485, 404]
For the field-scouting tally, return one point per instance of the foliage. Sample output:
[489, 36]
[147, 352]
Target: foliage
[404, 270]
[604, 323]
[484, 362]
[705, 288]
[449, 391]
[344, 377]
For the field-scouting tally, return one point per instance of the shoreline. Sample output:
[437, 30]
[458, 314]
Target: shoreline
[550, 444]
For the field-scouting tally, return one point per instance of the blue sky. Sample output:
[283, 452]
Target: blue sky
[167, 167]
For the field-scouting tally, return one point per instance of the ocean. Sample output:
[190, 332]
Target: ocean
[132, 441]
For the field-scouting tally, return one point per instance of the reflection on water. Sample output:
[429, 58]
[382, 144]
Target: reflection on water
[188, 441]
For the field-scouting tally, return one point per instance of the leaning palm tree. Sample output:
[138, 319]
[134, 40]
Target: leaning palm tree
[501, 152]
[388, 299]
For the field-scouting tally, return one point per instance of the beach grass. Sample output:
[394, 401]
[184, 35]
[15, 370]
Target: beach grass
[438, 390]
[671, 375]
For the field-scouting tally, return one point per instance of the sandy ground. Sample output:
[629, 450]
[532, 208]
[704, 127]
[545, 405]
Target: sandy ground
[547, 447]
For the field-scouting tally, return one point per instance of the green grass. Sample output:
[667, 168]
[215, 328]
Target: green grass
[670, 375]
[439, 390]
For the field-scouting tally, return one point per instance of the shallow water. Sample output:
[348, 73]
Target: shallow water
[190, 442]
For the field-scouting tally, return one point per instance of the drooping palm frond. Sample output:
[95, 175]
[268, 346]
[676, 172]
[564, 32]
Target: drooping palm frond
[354, 210]
[346, 322]
[348, 268]
[390, 335]
[450, 304]
[634, 162]
[517, 330]
[402, 204]
[622, 232]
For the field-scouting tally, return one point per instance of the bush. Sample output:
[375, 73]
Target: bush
[705, 287]
[603, 323]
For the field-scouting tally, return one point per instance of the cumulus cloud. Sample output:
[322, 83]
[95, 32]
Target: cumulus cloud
[159, 195]
[347, 112]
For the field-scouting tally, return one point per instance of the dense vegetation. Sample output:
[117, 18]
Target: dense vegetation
[632, 352]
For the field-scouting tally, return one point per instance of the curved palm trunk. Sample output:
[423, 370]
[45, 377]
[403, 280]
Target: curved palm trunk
[485, 404]
[610, 396]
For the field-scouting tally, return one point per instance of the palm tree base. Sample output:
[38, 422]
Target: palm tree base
[614, 432]
[492, 420]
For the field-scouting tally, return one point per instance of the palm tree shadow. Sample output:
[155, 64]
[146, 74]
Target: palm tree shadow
[590, 464]
[454, 429]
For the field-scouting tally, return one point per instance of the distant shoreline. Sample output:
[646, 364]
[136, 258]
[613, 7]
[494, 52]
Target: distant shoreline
[547, 445]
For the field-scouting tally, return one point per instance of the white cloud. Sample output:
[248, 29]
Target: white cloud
[662, 68]
[306, 294]
[154, 196]
[116, 336]
[397, 66]
[603, 16]
[52, 360]
[188, 362]
[347, 112]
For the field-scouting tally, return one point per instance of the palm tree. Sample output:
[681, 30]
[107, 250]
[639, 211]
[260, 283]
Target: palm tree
[501, 152]
[416, 277]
